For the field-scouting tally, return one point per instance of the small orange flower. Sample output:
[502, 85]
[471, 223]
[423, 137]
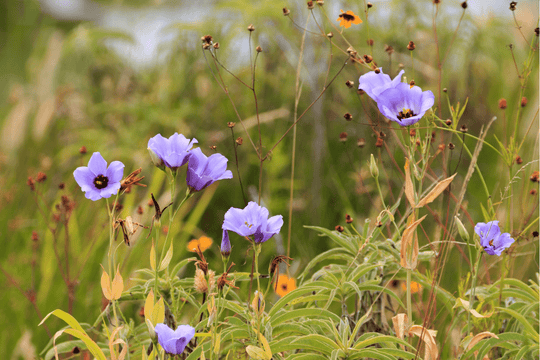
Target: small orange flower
[203, 243]
[415, 287]
[347, 18]
[285, 285]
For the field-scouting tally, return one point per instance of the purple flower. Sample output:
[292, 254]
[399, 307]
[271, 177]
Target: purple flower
[96, 180]
[405, 104]
[374, 84]
[172, 152]
[492, 240]
[203, 171]
[174, 341]
[251, 221]
[225, 244]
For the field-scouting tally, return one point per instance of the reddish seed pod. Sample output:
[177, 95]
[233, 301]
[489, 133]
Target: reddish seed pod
[343, 137]
[464, 5]
[451, 146]
[239, 141]
[231, 124]
[412, 132]
[523, 101]
[448, 122]
[286, 12]
[442, 147]
[535, 176]
[310, 5]
[411, 46]
[347, 116]
[379, 142]
[533, 192]
[361, 142]
[349, 84]
[41, 177]
[82, 150]
[370, 42]
[502, 104]
[348, 219]
[519, 160]
[30, 182]
[339, 228]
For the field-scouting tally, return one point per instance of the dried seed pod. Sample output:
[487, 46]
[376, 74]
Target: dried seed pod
[389, 49]
[412, 132]
[310, 5]
[239, 141]
[82, 150]
[370, 42]
[411, 46]
[464, 5]
[251, 28]
[445, 90]
[361, 142]
[339, 228]
[502, 104]
[523, 101]
[448, 122]
[349, 84]
[286, 12]
[451, 146]
[330, 35]
[519, 160]
[369, 5]
[535, 176]
[463, 129]
[513, 5]
[41, 177]
[533, 192]
[348, 219]
[379, 142]
[231, 124]
[348, 116]
[258, 49]
[368, 58]
[343, 137]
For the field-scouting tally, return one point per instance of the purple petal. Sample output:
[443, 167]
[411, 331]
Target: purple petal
[97, 164]
[115, 171]
[225, 244]
[84, 178]
[110, 190]
[93, 195]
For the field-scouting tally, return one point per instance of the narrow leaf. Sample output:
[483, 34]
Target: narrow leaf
[149, 305]
[167, 258]
[158, 315]
[70, 320]
[106, 285]
[409, 244]
[153, 256]
[465, 304]
[436, 191]
[117, 285]
[409, 190]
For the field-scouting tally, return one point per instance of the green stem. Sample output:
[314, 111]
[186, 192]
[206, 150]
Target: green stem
[409, 306]
[473, 289]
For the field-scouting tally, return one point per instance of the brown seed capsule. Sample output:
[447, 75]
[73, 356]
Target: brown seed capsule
[361, 142]
[382, 135]
[445, 90]
[369, 5]
[389, 49]
[258, 49]
[41, 177]
[379, 224]
[339, 228]
[523, 101]
[537, 31]
[31, 184]
[350, 50]
[75, 350]
[519, 160]
[448, 122]
[464, 5]
[348, 219]
[320, 2]
[62, 186]
[436, 1]
[401, 66]
[213, 147]
[433, 135]
[442, 147]
[231, 124]
[140, 210]
[330, 35]
[206, 46]
[451, 146]
[207, 39]
[368, 59]
[418, 142]
[216, 45]
[286, 12]
[411, 46]
[150, 203]
[360, 92]
[349, 84]
[535, 176]
[513, 5]
[412, 83]
[412, 132]
[35, 236]
[535, 233]
[502, 103]
[463, 128]
[377, 71]
[310, 5]
[343, 137]
[379, 142]
[348, 117]
[533, 192]
[82, 150]
[370, 42]
[251, 28]
[239, 141]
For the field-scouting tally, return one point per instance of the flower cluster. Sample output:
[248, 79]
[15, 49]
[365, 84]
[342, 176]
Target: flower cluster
[492, 240]
[397, 101]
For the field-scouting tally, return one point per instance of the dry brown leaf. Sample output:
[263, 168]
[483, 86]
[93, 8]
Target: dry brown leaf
[106, 285]
[409, 190]
[117, 285]
[480, 336]
[465, 304]
[437, 190]
[400, 321]
[409, 258]
[428, 336]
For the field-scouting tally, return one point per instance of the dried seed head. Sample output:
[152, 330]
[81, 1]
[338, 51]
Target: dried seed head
[382, 135]
[231, 124]
[361, 142]
[523, 101]
[451, 146]
[442, 147]
[379, 142]
[35, 236]
[535, 233]
[286, 12]
[379, 224]
[30, 182]
[412, 132]
[370, 42]
[207, 39]
[369, 5]
[401, 66]
[464, 5]
[463, 128]
[533, 192]
[310, 5]
[377, 71]
[216, 45]
[448, 122]
[360, 92]
[411, 46]
[258, 49]
[130, 180]
[343, 137]
[349, 84]
[82, 150]
[537, 31]
[350, 50]
[519, 160]
[348, 116]
[320, 2]
[140, 210]
[330, 35]
[535, 176]
[433, 135]
[239, 141]
[213, 147]
[418, 143]
[206, 46]
[513, 5]
[502, 103]
[348, 219]
[445, 90]
[368, 58]
[389, 49]
[200, 283]
[61, 186]
[436, 1]
[251, 28]
[41, 177]
[339, 228]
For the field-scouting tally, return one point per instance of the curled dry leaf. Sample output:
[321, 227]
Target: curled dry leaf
[400, 321]
[466, 306]
[476, 339]
[409, 190]
[436, 191]
[112, 344]
[428, 336]
[409, 244]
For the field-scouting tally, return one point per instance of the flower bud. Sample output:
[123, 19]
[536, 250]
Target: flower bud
[258, 304]
[373, 167]
[156, 160]
[225, 245]
[461, 229]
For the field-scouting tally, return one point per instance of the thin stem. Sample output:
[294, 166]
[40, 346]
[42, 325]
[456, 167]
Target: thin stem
[473, 290]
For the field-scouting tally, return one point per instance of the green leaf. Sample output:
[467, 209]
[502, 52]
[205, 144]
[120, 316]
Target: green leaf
[523, 321]
[181, 264]
[90, 344]
[167, 259]
[309, 342]
[294, 314]
[70, 320]
[332, 254]
[65, 347]
[340, 239]
[196, 354]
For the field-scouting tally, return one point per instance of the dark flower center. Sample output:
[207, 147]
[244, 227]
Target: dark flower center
[405, 114]
[491, 242]
[284, 287]
[101, 181]
[346, 17]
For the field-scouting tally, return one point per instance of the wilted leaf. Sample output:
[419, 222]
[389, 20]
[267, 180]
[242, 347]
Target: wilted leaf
[409, 244]
[465, 304]
[113, 342]
[437, 190]
[90, 344]
[428, 336]
[483, 335]
[106, 285]
[400, 322]
[409, 190]
[117, 285]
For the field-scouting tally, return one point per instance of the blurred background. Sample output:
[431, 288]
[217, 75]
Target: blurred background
[108, 75]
